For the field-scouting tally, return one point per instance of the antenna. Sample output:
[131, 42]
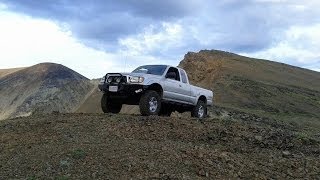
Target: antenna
[125, 61]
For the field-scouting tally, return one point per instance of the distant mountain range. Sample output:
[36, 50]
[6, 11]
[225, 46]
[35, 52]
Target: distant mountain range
[247, 84]
[43, 88]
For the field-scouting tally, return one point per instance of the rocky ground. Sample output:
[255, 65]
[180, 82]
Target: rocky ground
[106, 146]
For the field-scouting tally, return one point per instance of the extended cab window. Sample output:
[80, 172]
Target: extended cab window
[173, 73]
[183, 76]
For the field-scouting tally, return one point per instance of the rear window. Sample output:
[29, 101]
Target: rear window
[183, 76]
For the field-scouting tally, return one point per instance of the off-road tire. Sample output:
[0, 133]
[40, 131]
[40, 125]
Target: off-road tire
[165, 111]
[196, 111]
[108, 106]
[145, 106]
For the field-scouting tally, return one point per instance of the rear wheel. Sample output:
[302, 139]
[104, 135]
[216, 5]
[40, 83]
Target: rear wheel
[108, 106]
[200, 110]
[150, 103]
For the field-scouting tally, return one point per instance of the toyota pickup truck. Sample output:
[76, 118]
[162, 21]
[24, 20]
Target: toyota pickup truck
[157, 89]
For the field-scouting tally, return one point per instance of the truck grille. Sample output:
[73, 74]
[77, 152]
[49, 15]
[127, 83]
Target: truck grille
[116, 79]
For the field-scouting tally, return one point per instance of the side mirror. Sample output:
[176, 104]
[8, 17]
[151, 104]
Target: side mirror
[171, 75]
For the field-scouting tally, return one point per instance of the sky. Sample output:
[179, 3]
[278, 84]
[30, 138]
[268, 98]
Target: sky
[99, 36]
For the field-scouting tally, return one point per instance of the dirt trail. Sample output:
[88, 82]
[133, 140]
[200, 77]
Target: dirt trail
[105, 146]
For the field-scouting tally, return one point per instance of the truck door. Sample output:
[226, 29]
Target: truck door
[173, 87]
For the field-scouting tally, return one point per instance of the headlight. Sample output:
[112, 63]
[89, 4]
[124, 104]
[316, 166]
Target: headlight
[136, 79]
[102, 79]
[118, 79]
[109, 80]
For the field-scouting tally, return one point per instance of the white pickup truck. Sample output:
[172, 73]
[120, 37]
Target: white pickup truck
[157, 89]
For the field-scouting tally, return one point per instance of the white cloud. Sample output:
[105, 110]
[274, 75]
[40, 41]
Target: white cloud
[282, 30]
[300, 46]
[152, 45]
[154, 38]
[316, 69]
[25, 41]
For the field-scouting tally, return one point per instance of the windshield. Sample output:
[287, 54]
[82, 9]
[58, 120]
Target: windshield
[151, 69]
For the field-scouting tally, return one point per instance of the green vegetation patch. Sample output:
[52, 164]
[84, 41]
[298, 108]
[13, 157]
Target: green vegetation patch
[78, 154]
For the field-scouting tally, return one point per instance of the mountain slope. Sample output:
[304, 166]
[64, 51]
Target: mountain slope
[42, 88]
[255, 84]
[4, 72]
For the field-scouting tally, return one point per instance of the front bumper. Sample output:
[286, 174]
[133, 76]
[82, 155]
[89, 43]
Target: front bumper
[124, 89]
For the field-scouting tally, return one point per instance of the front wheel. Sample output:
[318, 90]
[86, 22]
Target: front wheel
[150, 103]
[109, 106]
[200, 110]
